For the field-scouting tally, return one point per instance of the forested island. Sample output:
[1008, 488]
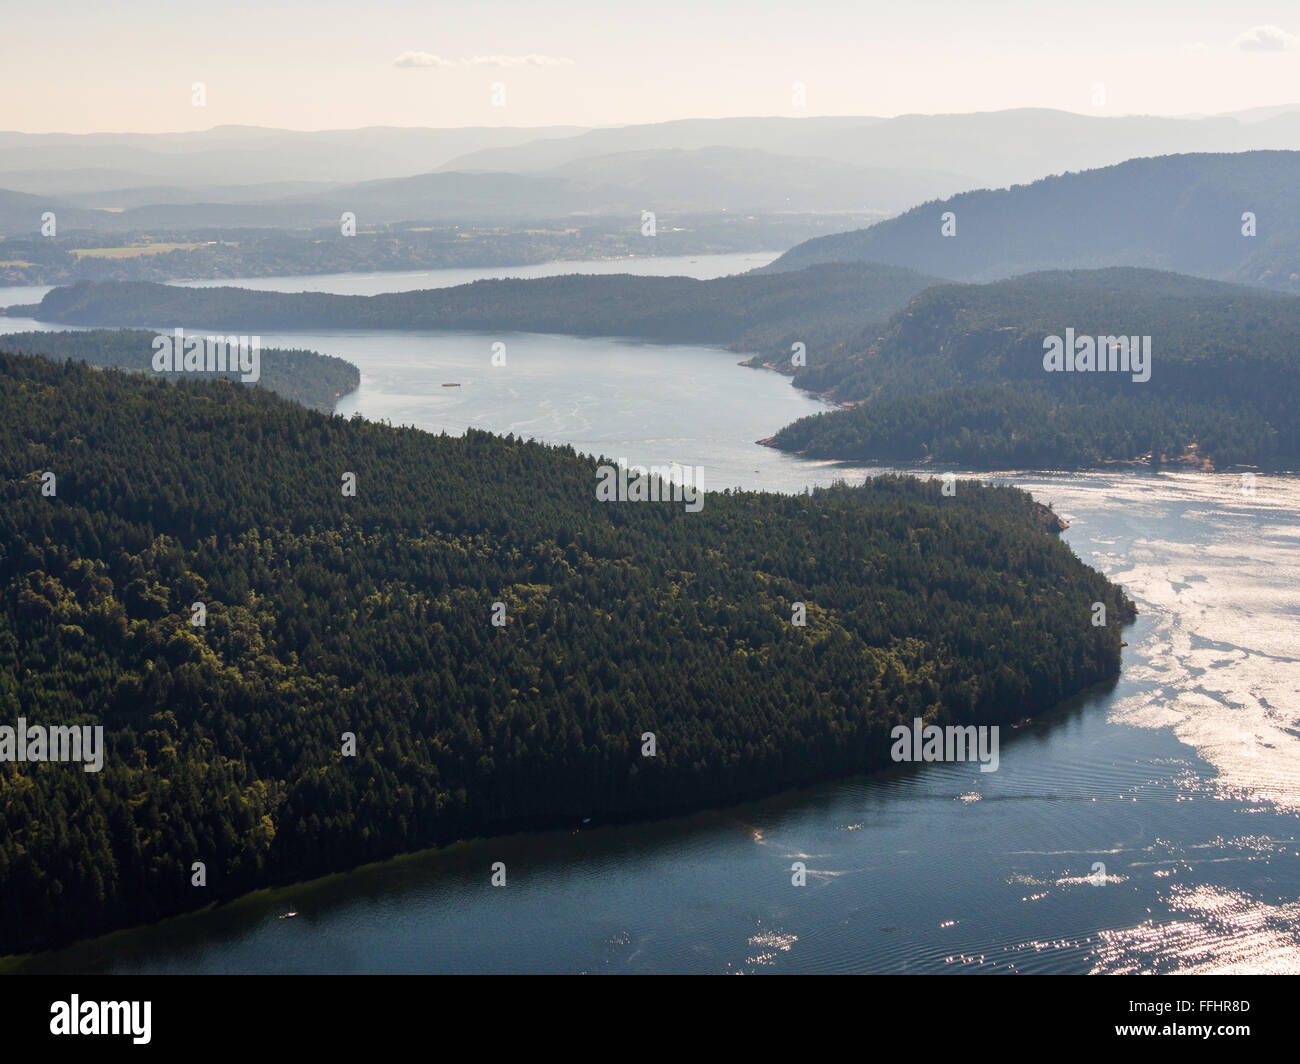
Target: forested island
[306, 377]
[329, 614]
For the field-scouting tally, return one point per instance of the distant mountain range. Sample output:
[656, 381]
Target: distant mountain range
[243, 155]
[990, 149]
[246, 176]
[667, 181]
[20, 213]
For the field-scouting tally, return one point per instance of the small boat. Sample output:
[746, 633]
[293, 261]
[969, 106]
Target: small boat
[454, 384]
[289, 916]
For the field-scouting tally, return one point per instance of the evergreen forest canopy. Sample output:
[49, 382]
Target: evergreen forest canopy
[370, 614]
[958, 376]
[753, 312]
[306, 377]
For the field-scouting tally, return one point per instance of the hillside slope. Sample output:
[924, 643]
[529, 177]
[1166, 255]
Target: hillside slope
[1177, 212]
[306, 377]
[959, 376]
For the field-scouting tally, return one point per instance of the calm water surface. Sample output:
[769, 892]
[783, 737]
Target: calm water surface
[1183, 779]
[369, 284]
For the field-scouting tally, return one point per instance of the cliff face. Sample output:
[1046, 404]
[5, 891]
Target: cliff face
[1048, 519]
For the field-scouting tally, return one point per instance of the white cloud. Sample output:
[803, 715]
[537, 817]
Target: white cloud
[421, 59]
[427, 59]
[518, 61]
[1264, 39]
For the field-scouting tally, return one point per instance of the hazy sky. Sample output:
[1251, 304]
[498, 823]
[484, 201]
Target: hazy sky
[128, 65]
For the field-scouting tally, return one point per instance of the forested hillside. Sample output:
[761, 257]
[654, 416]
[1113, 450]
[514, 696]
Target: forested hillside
[371, 614]
[306, 377]
[751, 312]
[958, 376]
[1173, 212]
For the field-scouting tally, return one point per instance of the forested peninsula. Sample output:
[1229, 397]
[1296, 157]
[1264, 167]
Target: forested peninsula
[750, 312]
[306, 377]
[959, 376]
[127, 501]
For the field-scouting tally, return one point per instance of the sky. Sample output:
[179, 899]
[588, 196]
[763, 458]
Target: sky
[80, 66]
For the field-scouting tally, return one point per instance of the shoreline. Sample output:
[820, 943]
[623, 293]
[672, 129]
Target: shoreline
[270, 896]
